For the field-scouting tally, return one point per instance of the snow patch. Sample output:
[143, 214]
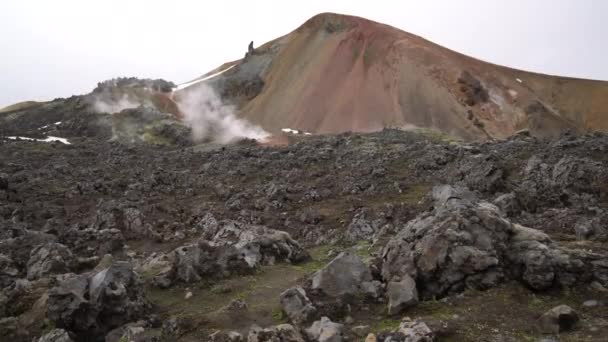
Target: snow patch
[290, 131]
[47, 126]
[519, 80]
[294, 131]
[47, 139]
[186, 85]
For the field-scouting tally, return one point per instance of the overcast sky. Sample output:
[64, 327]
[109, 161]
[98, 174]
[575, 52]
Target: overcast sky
[58, 48]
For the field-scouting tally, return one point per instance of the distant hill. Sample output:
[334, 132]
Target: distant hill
[341, 73]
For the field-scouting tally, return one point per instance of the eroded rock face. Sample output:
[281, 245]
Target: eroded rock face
[91, 305]
[231, 247]
[465, 242]
[47, 259]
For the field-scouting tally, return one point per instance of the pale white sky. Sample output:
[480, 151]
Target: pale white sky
[56, 48]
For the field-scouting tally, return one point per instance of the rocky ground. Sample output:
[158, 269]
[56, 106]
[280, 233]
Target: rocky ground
[391, 236]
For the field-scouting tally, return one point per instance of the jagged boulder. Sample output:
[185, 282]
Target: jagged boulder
[415, 331]
[408, 331]
[279, 333]
[325, 330]
[297, 306]
[56, 335]
[47, 259]
[128, 332]
[361, 228]
[559, 319]
[231, 248]
[90, 305]
[19, 246]
[225, 336]
[482, 173]
[347, 274]
[8, 271]
[508, 203]
[546, 183]
[465, 242]
[119, 215]
[401, 294]
[92, 242]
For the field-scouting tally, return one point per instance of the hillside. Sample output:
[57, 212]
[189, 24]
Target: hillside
[341, 73]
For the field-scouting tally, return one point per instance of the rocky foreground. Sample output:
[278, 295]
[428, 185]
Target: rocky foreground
[391, 236]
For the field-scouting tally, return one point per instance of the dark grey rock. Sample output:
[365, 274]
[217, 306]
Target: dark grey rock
[297, 306]
[415, 331]
[325, 330]
[48, 259]
[282, 333]
[465, 242]
[90, 305]
[8, 271]
[231, 248]
[342, 276]
[56, 335]
[559, 319]
[401, 295]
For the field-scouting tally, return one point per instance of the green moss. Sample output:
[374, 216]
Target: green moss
[48, 326]
[386, 324]
[279, 316]
[363, 249]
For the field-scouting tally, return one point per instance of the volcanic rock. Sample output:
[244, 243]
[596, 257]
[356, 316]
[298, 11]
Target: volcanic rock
[467, 243]
[345, 275]
[90, 305]
[401, 295]
[231, 248]
[56, 335]
[297, 306]
[559, 319]
[50, 258]
[325, 330]
[283, 333]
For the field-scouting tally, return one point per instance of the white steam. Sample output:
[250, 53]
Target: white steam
[212, 120]
[103, 104]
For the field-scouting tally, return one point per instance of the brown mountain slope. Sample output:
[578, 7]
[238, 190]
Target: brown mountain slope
[341, 73]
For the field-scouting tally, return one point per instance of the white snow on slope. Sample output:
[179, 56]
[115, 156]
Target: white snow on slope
[289, 130]
[47, 139]
[47, 126]
[294, 131]
[186, 85]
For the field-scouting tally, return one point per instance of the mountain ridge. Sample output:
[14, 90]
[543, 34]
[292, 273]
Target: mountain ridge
[398, 79]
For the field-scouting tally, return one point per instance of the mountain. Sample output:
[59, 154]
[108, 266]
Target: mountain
[339, 73]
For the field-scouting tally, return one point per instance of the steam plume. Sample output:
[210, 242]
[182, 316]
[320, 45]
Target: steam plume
[213, 120]
[111, 106]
